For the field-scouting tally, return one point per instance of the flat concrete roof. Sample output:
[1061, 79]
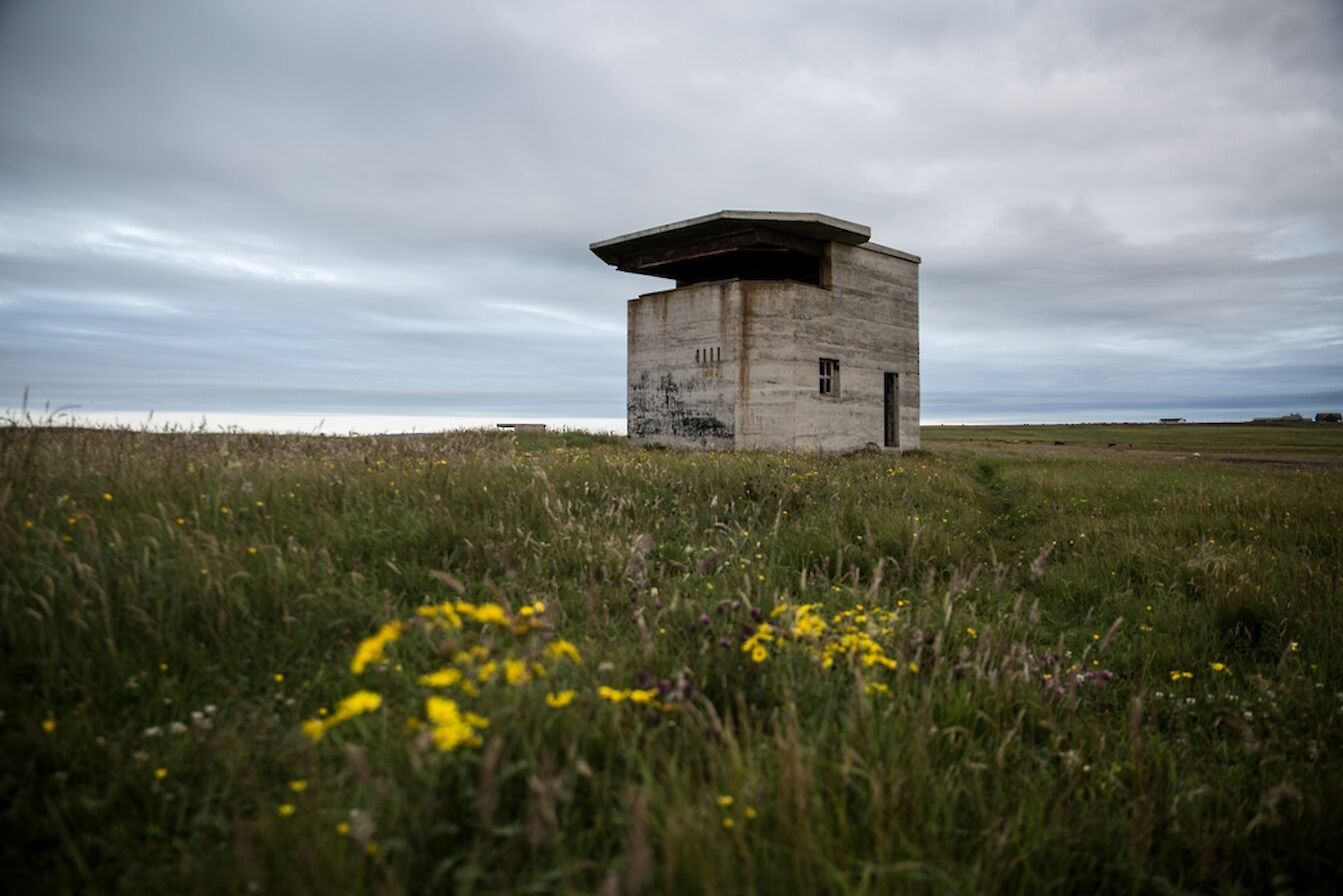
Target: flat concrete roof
[887, 250]
[804, 224]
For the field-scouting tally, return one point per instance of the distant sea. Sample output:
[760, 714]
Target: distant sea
[325, 424]
[378, 424]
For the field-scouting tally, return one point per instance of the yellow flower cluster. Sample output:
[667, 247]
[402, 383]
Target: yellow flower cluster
[443, 678]
[725, 803]
[471, 634]
[807, 623]
[453, 614]
[641, 697]
[855, 634]
[755, 645]
[452, 727]
[356, 704]
[371, 650]
[562, 649]
[856, 645]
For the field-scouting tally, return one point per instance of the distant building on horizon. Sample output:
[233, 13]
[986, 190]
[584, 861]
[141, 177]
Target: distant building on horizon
[1285, 418]
[1173, 420]
[1328, 417]
[785, 330]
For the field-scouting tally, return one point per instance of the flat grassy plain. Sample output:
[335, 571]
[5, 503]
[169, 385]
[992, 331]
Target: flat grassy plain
[484, 663]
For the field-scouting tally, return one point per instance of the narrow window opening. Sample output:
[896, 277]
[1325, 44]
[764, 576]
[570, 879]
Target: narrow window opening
[829, 377]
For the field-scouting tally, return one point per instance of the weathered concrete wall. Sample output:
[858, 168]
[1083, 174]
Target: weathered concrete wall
[879, 289]
[867, 320]
[674, 397]
[755, 384]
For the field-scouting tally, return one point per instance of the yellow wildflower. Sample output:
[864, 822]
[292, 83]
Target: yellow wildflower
[356, 704]
[284, 810]
[615, 696]
[808, 624]
[1220, 667]
[443, 678]
[371, 649]
[160, 774]
[969, 630]
[560, 700]
[560, 649]
[107, 496]
[643, 697]
[728, 824]
[298, 785]
[452, 727]
[343, 829]
[750, 813]
[278, 677]
[725, 801]
[49, 726]
[490, 614]
[759, 654]
[516, 672]
[462, 657]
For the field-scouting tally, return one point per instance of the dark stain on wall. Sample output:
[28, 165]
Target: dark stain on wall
[658, 408]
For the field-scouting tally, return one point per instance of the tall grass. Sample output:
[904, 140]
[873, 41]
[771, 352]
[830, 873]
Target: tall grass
[1091, 672]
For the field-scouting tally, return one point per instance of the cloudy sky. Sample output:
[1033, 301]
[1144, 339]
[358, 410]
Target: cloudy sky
[1125, 209]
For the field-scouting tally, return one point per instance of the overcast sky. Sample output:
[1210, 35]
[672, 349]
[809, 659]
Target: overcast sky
[1125, 209]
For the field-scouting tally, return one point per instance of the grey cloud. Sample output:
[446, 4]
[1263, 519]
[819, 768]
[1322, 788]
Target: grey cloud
[322, 205]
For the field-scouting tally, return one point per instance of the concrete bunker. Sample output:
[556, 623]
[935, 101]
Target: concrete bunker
[785, 330]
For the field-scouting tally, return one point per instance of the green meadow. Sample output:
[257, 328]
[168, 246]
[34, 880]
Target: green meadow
[1023, 659]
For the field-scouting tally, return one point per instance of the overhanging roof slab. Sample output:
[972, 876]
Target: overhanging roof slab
[655, 240]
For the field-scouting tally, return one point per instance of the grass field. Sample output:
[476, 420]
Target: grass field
[1295, 440]
[483, 663]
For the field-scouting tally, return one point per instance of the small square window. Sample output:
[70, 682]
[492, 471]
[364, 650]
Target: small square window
[829, 384]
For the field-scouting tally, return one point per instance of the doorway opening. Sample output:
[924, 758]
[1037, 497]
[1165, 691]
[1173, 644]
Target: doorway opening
[891, 410]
